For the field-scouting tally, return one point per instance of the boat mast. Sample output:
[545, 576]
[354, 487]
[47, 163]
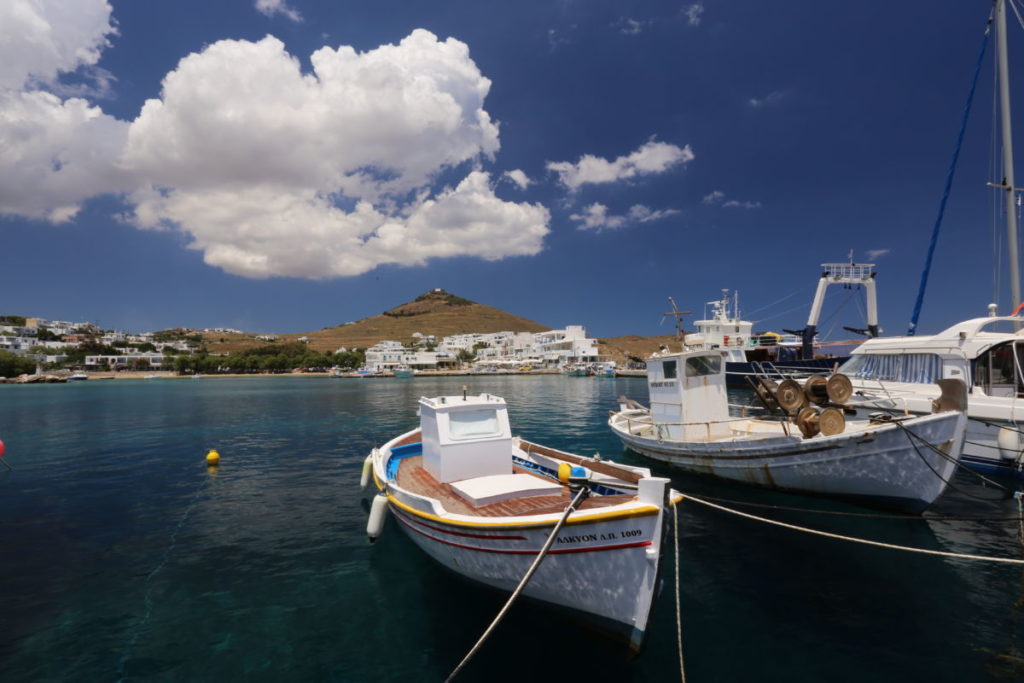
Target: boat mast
[1007, 184]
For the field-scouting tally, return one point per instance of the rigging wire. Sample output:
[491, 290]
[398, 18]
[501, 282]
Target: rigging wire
[1016, 11]
[949, 181]
[778, 301]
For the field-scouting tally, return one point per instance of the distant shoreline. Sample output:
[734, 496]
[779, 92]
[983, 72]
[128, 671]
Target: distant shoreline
[155, 375]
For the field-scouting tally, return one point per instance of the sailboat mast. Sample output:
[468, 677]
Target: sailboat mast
[1007, 184]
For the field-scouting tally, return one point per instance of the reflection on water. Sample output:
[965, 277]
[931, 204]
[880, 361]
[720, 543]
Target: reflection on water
[270, 576]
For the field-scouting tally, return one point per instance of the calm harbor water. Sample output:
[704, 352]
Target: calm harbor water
[121, 557]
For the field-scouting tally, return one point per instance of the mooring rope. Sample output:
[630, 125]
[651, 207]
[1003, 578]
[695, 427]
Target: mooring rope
[149, 578]
[522, 584]
[942, 454]
[679, 622]
[866, 515]
[853, 539]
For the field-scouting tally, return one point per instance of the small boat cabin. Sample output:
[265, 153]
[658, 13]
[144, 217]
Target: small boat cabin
[465, 437]
[688, 394]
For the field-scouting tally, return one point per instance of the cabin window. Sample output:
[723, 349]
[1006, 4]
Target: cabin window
[467, 424]
[996, 371]
[922, 368]
[669, 369]
[703, 365]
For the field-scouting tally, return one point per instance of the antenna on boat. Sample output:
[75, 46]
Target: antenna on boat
[678, 315]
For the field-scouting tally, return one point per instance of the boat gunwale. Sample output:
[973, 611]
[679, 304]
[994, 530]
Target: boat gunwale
[622, 511]
[836, 442]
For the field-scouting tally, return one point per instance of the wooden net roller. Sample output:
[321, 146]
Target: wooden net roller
[808, 421]
[790, 396]
[832, 421]
[816, 389]
[839, 388]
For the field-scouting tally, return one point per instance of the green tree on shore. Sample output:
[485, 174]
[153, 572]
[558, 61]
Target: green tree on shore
[12, 365]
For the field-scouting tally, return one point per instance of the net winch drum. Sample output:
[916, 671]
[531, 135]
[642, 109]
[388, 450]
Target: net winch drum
[839, 388]
[832, 421]
[807, 421]
[828, 422]
[816, 389]
[790, 395]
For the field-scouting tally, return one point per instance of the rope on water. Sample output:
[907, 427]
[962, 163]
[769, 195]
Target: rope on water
[854, 539]
[866, 515]
[679, 622]
[149, 578]
[522, 584]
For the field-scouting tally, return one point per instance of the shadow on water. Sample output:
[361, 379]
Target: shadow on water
[117, 544]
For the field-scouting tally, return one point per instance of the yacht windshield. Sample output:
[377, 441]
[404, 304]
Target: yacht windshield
[997, 371]
[922, 368]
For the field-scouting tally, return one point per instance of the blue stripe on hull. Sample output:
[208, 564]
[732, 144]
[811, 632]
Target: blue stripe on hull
[989, 466]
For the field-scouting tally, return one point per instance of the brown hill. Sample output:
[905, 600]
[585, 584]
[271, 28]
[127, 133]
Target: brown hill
[435, 313]
[632, 348]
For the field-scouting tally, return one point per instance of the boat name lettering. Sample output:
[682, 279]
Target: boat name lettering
[577, 539]
[656, 385]
[607, 536]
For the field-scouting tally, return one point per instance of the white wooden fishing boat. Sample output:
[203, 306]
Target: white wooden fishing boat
[482, 503]
[900, 463]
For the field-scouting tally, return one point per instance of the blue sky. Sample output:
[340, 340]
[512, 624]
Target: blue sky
[287, 166]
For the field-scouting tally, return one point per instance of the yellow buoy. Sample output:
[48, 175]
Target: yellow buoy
[212, 458]
[564, 470]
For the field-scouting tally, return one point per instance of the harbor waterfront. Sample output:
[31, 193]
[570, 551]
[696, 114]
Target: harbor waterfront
[123, 557]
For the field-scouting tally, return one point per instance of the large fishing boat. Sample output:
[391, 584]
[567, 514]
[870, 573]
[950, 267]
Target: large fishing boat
[483, 503]
[769, 354]
[882, 461]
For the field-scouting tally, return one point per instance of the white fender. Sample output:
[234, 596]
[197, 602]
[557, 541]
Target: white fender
[378, 513]
[367, 469]
[1009, 443]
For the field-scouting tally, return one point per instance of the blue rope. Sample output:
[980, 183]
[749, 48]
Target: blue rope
[949, 183]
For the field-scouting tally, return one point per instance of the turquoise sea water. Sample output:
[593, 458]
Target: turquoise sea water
[122, 558]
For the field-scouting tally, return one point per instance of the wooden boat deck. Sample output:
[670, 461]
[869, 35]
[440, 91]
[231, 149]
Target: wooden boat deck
[413, 478]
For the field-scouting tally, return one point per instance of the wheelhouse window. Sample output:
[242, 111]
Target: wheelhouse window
[922, 368]
[703, 365]
[473, 423]
[668, 368]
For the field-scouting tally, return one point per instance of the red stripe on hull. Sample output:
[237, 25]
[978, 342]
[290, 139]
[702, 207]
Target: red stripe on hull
[503, 551]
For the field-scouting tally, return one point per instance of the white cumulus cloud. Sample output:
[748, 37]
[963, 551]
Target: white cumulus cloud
[272, 7]
[596, 217]
[521, 180]
[39, 39]
[276, 172]
[651, 157]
